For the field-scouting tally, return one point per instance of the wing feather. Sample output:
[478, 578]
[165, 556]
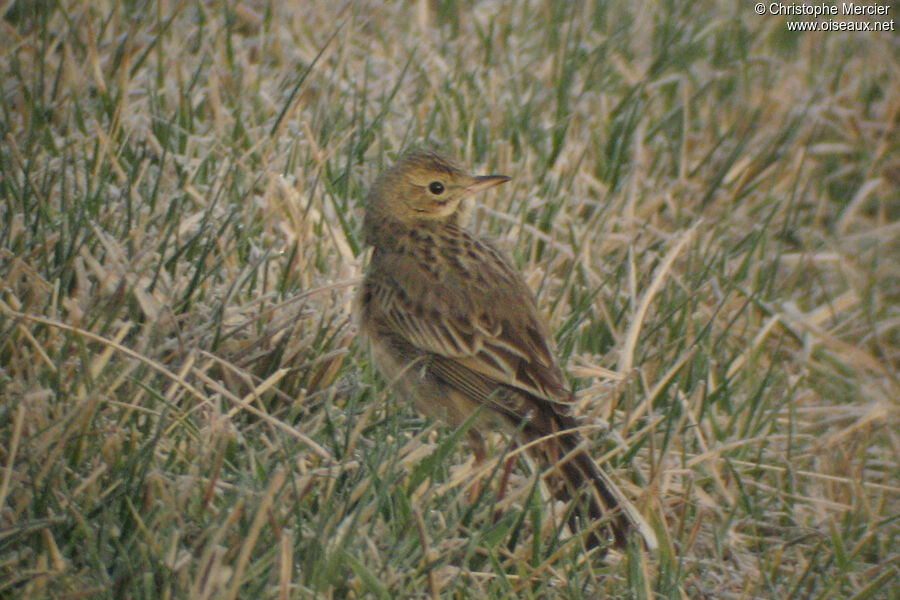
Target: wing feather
[493, 330]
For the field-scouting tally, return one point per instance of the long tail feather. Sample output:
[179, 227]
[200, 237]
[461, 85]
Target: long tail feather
[597, 496]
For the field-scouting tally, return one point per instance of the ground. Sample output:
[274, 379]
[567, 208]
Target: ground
[705, 201]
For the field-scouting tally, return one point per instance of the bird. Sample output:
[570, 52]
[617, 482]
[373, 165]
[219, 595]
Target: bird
[454, 327]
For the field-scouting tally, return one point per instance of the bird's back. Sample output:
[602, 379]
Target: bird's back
[456, 297]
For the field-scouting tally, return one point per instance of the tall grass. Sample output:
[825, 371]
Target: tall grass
[706, 205]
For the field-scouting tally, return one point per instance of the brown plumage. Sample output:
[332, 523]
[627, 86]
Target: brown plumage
[455, 326]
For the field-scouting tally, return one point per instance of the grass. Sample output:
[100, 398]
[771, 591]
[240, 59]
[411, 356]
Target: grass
[706, 205]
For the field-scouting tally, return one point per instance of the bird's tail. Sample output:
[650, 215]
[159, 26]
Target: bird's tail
[597, 498]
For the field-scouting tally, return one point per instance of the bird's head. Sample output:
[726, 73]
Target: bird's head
[425, 186]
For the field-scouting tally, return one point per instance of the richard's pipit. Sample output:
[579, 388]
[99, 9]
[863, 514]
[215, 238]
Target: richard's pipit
[454, 325]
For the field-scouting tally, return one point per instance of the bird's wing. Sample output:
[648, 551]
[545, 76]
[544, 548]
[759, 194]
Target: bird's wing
[477, 318]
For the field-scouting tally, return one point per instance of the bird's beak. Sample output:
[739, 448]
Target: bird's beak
[484, 182]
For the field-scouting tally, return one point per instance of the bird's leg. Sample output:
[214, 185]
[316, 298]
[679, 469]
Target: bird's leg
[507, 470]
[480, 452]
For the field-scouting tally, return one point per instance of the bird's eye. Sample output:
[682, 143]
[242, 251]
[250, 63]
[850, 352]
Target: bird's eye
[436, 188]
